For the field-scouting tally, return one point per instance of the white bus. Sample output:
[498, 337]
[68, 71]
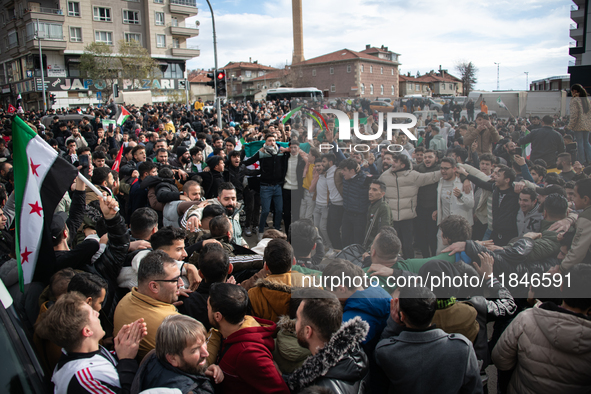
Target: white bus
[290, 93]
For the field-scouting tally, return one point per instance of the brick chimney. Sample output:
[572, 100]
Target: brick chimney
[298, 32]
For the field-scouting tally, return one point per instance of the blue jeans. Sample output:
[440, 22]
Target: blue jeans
[268, 194]
[583, 146]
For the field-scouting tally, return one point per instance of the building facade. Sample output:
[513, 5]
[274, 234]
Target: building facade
[559, 82]
[67, 27]
[580, 47]
[239, 76]
[371, 73]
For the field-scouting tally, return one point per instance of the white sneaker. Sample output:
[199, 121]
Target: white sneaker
[260, 236]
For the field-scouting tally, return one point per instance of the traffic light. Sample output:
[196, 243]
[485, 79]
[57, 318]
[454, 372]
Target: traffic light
[221, 84]
[52, 98]
[116, 90]
[211, 83]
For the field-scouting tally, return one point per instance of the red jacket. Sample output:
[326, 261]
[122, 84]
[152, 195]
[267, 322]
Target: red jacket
[247, 362]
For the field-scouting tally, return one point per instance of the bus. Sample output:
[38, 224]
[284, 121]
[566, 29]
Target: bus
[291, 93]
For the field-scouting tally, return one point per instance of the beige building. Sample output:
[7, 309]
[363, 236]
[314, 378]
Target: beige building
[67, 27]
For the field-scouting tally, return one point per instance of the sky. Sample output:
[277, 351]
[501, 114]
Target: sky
[521, 35]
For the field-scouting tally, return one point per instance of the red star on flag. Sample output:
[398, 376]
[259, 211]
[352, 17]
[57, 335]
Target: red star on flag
[256, 166]
[25, 256]
[35, 208]
[34, 168]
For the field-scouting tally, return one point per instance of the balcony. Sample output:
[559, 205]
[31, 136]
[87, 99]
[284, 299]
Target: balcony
[576, 32]
[44, 14]
[183, 31]
[575, 48]
[188, 53]
[578, 15]
[183, 7]
[50, 45]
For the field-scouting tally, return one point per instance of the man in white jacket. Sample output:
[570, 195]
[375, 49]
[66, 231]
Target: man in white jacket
[453, 198]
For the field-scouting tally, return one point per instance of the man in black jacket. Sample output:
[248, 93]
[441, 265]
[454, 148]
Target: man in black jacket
[546, 143]
[355, 202]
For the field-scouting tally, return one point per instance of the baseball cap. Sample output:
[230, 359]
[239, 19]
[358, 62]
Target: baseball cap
[58, 224]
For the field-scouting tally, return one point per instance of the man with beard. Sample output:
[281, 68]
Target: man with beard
[227, 200]
[159, 281]
[179, 360]
[425, 226]
[245, 356]
[183, 159]
[197, 162]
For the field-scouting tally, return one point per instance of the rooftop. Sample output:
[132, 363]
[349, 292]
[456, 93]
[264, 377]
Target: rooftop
[343, 54]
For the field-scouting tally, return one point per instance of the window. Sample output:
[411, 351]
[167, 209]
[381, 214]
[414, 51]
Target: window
[131, 17]
[47, 31]
[362, 68]
[12, 39]
[261, 73]
[159, 18]
[382, 90]
[393, 90]
[173, 71]
[314, 72]
[392, 71]
[362, 89]
[160, 41]
[73, 8]
[333, 88]
[410, 86]
[76, 34]
[130, 37]
[103, 36]
[451, 86]
[332, 70]
[159, 1]
[174, 21]
[418, 87]
[371, 69]
[371, 89]
[348, 68]
[73, 70]
[381, 70]
[102, 14]
[248, 73]
[176, 43]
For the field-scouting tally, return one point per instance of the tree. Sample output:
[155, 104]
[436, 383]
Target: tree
[132, 61]
[467, 75]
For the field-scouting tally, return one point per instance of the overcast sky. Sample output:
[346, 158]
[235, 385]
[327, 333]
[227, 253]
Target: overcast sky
[521, 35]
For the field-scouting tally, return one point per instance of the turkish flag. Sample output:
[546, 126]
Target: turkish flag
[11, 109]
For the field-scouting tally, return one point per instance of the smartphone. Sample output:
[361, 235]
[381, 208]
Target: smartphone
[518, 151]
[83, 161]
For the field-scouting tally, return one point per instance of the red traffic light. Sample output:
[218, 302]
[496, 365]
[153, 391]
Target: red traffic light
[221, 75]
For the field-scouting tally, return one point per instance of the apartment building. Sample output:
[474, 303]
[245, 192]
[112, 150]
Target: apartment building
[370, 73]
[580, 48]
[67, 27]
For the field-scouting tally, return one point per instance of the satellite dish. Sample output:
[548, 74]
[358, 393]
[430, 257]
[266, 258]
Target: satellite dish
[197, 23]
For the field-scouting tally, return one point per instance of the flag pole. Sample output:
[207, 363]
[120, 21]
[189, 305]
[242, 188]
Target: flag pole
[93, 188]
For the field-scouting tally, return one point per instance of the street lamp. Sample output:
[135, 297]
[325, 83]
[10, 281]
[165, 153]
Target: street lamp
[42, 67]
[215, 56]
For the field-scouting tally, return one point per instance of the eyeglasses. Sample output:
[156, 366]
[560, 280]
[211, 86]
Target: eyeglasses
[173, 280]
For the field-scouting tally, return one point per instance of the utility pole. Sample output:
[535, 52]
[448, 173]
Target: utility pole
[42, 69]
[215, 56]
[498, 65]
[526, 80]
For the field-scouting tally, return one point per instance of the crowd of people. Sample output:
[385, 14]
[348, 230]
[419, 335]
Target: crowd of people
[215, 259]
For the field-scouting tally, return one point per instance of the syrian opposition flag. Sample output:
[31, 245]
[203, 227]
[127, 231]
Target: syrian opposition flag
[501, 103]
[122, 116]
[117, 162]
[526, 148]
[41, 178]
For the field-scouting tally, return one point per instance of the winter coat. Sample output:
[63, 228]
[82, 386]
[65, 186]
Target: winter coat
[154, 373]
[341, 365]
[579, 119]
[211, 182]
[246, 360]
[438, 142]
[235, 175]
[402, 188]
[427, 197]
[546, 144]
[288, 354]
[273, 167]
[373, 306]
[550, 349]
[461, 206]
[581, 247]
[270, 297]
[355, 193]
[379, 215]
[486, 139]
[530, 221]
[429, 361]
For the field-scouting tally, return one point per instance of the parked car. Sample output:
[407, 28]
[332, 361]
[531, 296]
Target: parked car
[381, 106]
[21, 371]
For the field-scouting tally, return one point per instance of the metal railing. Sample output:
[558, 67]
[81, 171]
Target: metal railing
[573, 26]
[45, 10]
[170, 24]
[574, 44]
[574, 8]
[187, 3]
[571, 63]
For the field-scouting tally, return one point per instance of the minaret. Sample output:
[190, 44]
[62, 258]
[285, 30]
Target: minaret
[298, 32]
